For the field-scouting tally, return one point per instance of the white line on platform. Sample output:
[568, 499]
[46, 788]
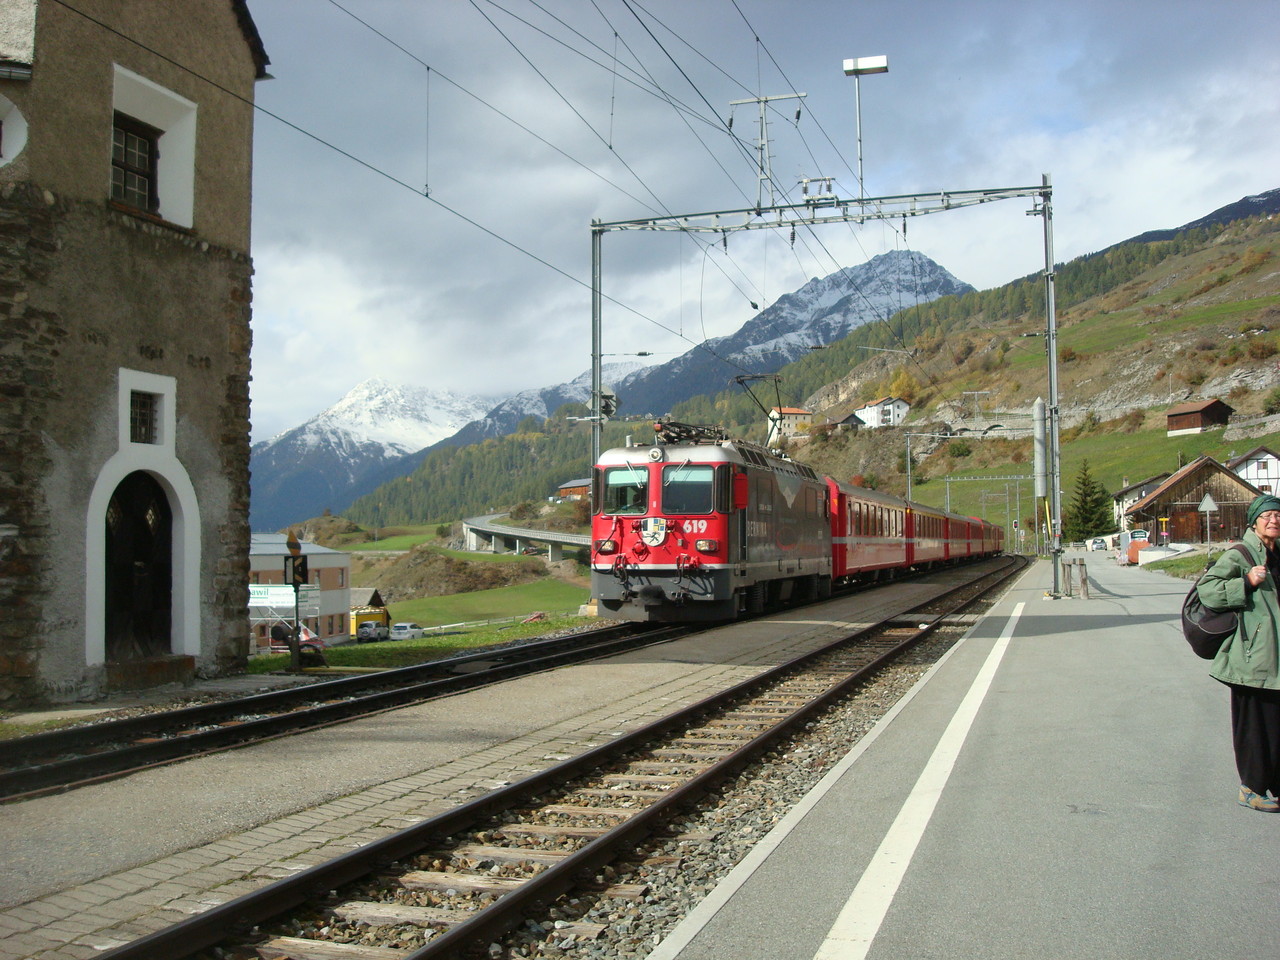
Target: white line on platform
[701, 915]
[851, 936]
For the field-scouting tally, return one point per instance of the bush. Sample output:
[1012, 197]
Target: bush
[1272, 403]
[959, 448]
[1260, 349]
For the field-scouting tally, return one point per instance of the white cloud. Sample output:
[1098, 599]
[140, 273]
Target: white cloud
[1146, 116]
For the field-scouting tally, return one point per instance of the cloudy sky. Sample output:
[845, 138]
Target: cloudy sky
[426, 171]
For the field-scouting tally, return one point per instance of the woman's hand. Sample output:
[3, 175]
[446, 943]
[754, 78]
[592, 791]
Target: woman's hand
[1256, 575]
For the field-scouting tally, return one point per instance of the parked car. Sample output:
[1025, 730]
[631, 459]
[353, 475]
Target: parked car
[371, 631]
[407, 631]
[1097, 543]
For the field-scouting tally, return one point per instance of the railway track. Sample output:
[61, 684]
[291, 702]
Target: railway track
[463, 878]
[63, 759]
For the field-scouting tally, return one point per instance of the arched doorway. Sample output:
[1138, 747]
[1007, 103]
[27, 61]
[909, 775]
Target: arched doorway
[139, 570]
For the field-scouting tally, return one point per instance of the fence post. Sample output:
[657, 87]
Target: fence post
[1066, 579]
[1084, 580]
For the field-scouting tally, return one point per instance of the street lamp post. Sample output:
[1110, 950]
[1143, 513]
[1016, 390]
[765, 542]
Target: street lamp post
[859, 67]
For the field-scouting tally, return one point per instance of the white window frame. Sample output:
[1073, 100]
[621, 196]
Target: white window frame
[14, 139]
[137, 97]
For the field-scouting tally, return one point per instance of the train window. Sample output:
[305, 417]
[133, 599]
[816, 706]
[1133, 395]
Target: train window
[626, 490]
[686, 488]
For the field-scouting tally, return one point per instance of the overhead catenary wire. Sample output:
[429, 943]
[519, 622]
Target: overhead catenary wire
[423, 192]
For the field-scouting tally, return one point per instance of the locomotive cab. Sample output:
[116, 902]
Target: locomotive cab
[700, 528]
[661, 533]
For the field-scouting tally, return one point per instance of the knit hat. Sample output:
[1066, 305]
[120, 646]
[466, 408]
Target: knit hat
[1265, 502]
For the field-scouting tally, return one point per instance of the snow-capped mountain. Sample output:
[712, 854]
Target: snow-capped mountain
[379, 432]
[540, 403]
[822, 311]
[349, 449]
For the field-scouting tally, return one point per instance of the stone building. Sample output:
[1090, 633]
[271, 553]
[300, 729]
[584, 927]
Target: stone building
[125, 157]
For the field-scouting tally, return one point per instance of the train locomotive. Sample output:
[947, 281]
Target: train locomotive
[699, 527]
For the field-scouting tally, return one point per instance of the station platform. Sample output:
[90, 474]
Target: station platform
[1061, 785]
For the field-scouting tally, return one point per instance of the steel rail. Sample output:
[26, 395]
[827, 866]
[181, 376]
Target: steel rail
[204, 930]
[33, 779]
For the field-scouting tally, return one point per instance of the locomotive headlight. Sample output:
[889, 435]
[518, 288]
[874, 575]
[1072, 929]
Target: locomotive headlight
[707, 546]
[606, 546]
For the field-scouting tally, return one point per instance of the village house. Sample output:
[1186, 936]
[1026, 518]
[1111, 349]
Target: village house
[574, 489]
[1196, 417]
[885, 412]
[786, 423]
[1131, 493]
[1260, 467]
[1175, 505]
[324, 610]
[125, 195]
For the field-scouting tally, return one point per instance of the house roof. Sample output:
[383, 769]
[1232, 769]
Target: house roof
[1158, 478]
[276, 544]
[1256, 453]
[1196, 407]
[791, 411]
[252, 37]
[584, 482]
[366, 597]
[1200, 463]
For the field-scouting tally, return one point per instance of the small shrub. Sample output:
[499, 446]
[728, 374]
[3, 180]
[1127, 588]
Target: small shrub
[1260, 348]
[1254, 258]
[1272, 403]
[959, 448]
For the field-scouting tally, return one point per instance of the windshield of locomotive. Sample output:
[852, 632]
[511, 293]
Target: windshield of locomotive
[626, 490]
[687, 489]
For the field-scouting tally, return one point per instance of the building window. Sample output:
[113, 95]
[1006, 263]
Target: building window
[342, 577]
[134, 155]
[144, 417]
[154, 150]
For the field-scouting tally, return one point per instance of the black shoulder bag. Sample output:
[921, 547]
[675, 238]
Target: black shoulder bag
[1207, 629]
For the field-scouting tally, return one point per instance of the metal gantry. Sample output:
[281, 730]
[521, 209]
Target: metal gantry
[823, 209]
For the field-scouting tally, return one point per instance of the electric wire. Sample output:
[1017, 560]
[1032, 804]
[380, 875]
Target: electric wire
[424, 193]
[565, 100]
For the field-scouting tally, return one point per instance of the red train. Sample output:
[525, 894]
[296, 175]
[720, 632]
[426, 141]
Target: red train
[698, 527]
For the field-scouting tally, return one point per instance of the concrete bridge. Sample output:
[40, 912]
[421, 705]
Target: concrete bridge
[483, 534]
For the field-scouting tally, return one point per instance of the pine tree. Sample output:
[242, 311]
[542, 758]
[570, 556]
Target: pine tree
[1089, 512]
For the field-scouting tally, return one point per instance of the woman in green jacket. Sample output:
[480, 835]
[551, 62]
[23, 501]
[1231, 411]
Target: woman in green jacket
[1249, 663]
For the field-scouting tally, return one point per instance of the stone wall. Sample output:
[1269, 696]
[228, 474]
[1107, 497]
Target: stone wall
[86, 291]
